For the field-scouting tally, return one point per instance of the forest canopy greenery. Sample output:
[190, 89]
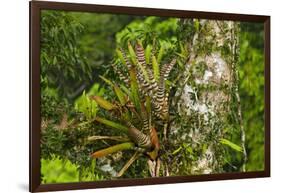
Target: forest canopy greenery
[87, 87]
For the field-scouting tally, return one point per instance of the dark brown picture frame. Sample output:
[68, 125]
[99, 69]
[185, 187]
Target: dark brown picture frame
[34, 100]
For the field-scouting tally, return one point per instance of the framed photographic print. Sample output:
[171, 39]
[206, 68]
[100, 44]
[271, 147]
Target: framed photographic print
[123, 96]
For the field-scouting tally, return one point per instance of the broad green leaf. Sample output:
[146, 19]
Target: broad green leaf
[155, 67]
[113, 149]
[112, 124]
[231, 145]
[103, 103]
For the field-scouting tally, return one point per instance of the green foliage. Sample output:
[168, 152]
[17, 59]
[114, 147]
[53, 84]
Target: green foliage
[251, 71]
[77, 51]
[49, 103]
[153, 30]
[63, 65]
[56, 170]
[112, 124]
[97, 40]
[86, 105]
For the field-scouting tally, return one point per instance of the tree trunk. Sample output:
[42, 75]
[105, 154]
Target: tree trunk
[204, 98]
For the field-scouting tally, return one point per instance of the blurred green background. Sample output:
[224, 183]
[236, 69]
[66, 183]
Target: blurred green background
[77, 47]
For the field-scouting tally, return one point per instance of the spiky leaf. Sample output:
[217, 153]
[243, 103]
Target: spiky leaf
[112, 124]
[231, 145]
[103, 103]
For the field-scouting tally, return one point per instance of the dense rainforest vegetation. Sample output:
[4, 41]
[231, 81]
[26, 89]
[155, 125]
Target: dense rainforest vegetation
[100, 72]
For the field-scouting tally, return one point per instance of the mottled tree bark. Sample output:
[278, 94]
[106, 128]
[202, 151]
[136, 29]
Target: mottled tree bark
[204, 97]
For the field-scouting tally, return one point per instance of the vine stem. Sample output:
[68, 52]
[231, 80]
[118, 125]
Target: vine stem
[237, 96]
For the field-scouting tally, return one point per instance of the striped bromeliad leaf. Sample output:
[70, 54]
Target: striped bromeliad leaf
[142, 140]
[122, 75]
[145, 75]
[161, 99]
[127, 62]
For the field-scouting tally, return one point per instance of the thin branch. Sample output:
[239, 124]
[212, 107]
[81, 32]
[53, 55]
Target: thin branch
[237, 96]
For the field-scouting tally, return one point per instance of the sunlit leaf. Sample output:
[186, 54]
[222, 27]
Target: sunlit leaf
[103, 103]
[231, 145]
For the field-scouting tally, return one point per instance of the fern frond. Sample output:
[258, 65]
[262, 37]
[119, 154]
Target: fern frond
[145, 120]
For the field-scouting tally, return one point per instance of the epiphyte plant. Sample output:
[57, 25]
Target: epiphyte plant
[141, 110]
